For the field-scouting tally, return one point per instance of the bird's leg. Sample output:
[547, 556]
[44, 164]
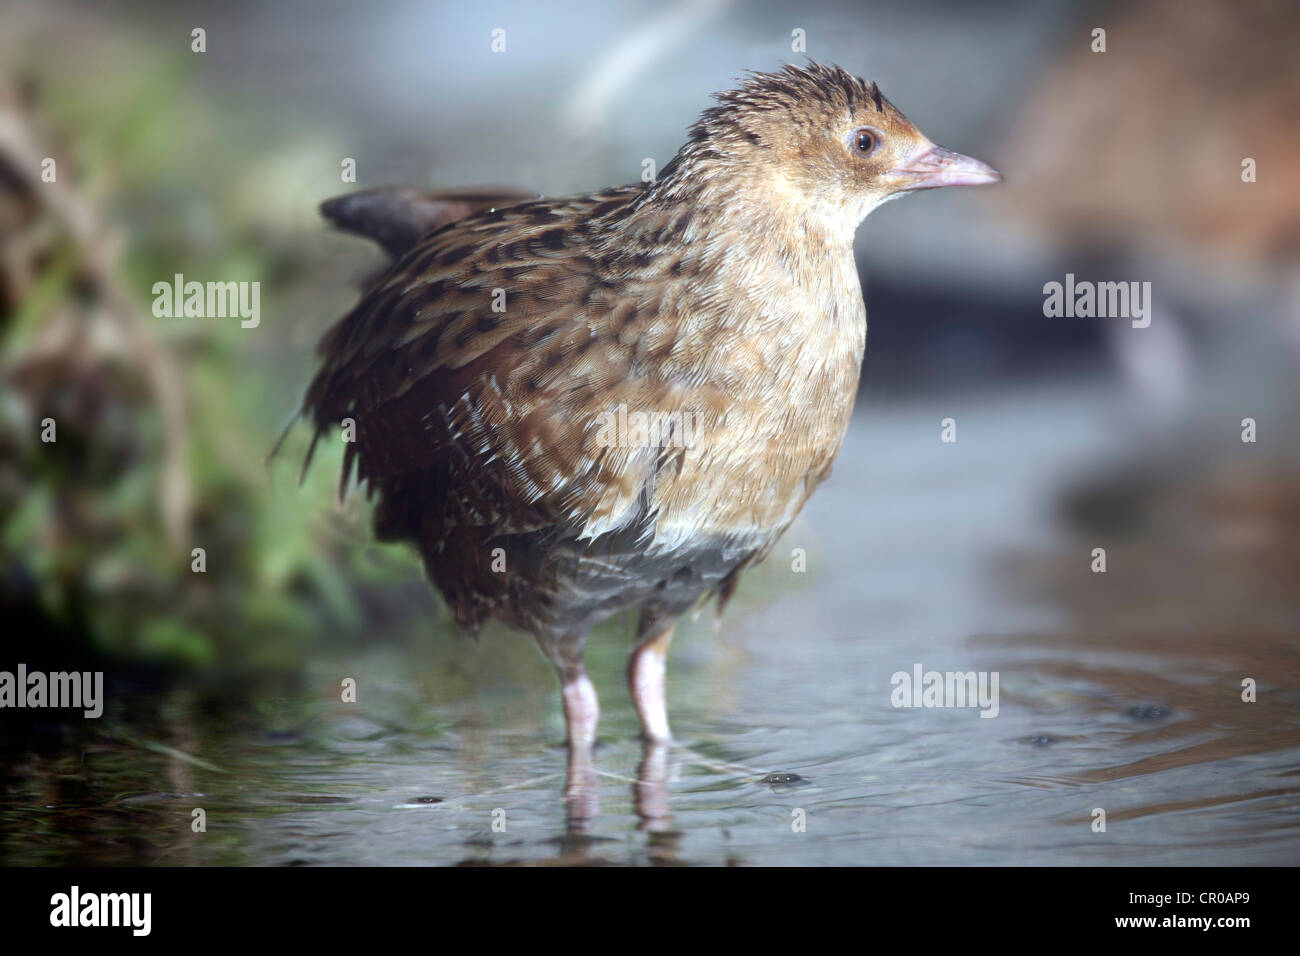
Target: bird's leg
[645, 673]
[581, 708]
[581, 712]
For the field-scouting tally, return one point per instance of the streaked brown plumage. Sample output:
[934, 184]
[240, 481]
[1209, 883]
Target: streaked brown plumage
[724, 293]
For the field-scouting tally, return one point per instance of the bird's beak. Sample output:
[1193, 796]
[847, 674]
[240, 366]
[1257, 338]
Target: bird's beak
[936, 166]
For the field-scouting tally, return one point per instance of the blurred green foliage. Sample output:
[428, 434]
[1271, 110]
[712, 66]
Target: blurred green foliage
[87, 547]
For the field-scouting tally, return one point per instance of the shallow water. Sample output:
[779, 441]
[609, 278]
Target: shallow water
[1118, 691]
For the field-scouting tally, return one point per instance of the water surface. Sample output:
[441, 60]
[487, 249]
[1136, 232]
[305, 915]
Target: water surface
[1119, 691]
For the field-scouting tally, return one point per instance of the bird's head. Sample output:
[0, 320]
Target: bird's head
[826, 142]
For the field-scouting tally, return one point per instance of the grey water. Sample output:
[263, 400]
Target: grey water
[1119, 692]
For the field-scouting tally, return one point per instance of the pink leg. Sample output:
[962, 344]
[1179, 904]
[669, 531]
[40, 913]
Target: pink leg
[581, 708]
[645, 675]
[581, 714]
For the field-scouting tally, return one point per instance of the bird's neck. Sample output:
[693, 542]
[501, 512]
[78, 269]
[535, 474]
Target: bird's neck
[753, 201]
[766, 288]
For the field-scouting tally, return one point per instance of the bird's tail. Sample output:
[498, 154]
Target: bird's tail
[398, 218]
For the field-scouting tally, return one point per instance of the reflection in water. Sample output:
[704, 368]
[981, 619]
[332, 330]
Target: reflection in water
[581, 803]
[1119, 690]
[580, 843]
[651, 789]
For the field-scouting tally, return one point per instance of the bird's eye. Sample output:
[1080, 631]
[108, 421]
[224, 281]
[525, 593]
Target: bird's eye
[864, 141]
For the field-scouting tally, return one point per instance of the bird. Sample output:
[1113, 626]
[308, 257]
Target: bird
[618, 402]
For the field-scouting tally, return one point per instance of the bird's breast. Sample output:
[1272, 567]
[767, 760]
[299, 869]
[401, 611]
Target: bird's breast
[767, 376]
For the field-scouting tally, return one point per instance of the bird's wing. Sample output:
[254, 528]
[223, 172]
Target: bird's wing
[483, 361]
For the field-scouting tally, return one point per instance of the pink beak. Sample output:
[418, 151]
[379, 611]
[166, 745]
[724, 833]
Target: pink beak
[938, 166]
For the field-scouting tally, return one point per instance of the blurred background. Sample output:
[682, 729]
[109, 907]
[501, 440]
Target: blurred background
[1120, 689]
